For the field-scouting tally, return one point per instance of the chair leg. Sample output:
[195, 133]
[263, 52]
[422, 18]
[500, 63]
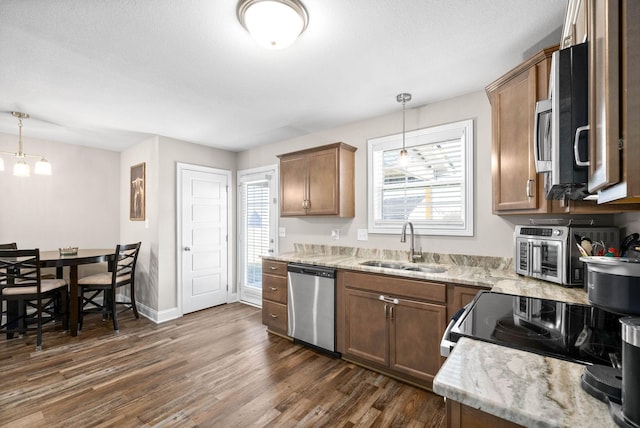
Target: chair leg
[80, 307]
[64, 307]
[133, 301]
[114, 311]
[39, 327]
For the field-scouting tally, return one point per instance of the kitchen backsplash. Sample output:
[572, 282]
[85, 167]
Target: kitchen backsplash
[502, 263]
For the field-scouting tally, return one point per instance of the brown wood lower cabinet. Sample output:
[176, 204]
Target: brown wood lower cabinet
[392, 324]
[461, 416]
[274, 296]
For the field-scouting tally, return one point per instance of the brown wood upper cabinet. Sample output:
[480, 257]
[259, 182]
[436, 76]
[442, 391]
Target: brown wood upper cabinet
[517, 187]
[318, 181]
[614, 99]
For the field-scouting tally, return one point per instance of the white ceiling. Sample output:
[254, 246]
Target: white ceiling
[109, 73]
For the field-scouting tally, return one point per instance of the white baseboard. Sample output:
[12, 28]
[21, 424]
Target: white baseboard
[158, 316]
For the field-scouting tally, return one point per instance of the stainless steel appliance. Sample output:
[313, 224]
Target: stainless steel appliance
[573, 332]
[561, 126]
[550, 252]
[311, 305]
[614, 284]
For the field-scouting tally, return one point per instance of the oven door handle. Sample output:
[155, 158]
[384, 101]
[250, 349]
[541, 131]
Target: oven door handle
[536, 258]
[447, 345]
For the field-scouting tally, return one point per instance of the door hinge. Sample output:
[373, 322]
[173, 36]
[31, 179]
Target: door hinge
[620, 144]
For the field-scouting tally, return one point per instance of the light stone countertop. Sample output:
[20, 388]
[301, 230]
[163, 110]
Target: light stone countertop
[525, 388]
[519, 386]
[486, 272]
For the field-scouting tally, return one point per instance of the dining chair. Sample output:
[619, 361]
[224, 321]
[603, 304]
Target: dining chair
[29, 298]
[122, 273]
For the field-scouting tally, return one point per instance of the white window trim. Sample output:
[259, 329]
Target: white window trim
[433, 133]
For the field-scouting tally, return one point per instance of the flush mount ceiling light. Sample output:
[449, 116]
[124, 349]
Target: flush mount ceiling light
[21, 167]
[404, 155]
[274, 24]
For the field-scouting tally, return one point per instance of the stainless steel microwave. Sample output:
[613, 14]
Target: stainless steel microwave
[561, 126]
[550, 253]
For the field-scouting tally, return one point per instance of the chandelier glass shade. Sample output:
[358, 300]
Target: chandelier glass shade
[21, 168]
[274, 24]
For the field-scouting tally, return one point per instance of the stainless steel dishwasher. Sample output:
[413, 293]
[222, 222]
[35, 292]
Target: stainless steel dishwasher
[312, 302]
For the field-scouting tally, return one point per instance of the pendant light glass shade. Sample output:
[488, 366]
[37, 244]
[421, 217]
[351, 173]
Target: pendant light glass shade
[21, 169]
[43, 167]
[274, 24]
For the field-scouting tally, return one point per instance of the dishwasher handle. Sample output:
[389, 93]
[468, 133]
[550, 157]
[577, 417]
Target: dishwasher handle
[312, 270]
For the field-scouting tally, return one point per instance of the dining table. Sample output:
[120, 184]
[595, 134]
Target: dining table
[50, 259]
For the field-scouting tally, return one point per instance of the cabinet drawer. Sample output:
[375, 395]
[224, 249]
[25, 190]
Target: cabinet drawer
[274, 316]
[274, 288]
[273, 267]
[396, 287]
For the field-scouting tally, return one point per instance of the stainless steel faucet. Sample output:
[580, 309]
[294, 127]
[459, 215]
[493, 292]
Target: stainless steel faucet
[413, 256]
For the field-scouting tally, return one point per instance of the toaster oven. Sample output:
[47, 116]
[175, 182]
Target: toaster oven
[550, 253]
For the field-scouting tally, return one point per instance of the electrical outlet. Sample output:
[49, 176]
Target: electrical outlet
[282, 232]
[363, 235]
[335, 234]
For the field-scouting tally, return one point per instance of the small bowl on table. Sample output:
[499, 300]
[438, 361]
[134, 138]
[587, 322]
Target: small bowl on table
[68, 251]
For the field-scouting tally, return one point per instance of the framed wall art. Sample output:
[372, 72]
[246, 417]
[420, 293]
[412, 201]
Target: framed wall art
[137, 196]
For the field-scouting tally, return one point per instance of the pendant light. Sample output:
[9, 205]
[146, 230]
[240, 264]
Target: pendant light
[21, 167]
[403, 98]
[274, 24]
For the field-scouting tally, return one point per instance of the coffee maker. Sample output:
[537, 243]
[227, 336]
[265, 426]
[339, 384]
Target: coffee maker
[613, 284]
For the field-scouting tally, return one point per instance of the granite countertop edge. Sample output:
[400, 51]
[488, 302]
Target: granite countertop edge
[519, 386]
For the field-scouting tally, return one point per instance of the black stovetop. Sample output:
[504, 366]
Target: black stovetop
[573, 332]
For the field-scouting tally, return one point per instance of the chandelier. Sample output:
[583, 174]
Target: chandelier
[21, 167]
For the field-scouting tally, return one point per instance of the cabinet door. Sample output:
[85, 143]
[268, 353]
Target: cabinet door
[514, 177]
[366, 333]
[604, 92]
[416, 329]
[323, 189]
[293, 185]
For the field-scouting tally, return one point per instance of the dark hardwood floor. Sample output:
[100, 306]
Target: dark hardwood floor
[213, 368]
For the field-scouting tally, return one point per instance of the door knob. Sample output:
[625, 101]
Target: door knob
[187, 248]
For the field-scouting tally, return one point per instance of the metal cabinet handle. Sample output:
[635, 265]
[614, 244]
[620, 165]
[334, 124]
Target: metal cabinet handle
[576, 153]
[391, 312]
[386, 309]
[274, 316]
[528, 188]
[273, 268]
[388, 299]
[187, 248]
[274, 288]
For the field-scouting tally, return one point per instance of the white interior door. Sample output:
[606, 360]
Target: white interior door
[257, 226]
[203, 241]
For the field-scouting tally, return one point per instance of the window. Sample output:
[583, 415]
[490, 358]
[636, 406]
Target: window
[434, 190]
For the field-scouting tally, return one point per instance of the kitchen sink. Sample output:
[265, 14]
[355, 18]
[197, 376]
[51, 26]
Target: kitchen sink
[404, 266]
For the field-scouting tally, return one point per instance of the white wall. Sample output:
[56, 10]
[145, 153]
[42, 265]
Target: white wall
[78, 205]
[493, 234]
[147, 292]
[157, 287]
